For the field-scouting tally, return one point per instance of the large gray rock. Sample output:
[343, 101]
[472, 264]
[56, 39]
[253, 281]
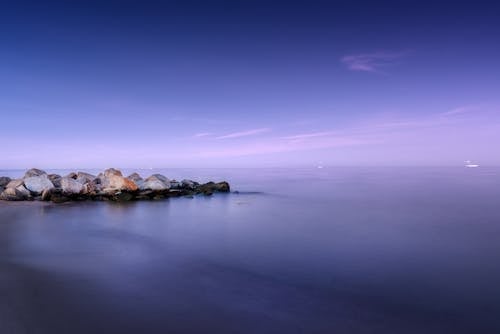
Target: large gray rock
[55, 179]
[158, 177]
[34, 172]
[70, 186]
[4, 180]
[37, 184]
[135, 177]
[85, 177]
[156, 185]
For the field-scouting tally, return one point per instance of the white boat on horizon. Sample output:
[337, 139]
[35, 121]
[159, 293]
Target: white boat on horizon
[469, 164]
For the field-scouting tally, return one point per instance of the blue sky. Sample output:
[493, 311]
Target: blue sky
[209, 84]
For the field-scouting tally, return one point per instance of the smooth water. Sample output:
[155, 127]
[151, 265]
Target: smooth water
[333, 250]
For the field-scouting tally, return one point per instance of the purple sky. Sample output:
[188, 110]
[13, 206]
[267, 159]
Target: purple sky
[212, 84]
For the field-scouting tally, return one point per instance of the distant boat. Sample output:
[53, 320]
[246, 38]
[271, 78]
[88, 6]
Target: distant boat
[469, 164]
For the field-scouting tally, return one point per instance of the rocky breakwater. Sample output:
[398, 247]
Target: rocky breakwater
[109, 185]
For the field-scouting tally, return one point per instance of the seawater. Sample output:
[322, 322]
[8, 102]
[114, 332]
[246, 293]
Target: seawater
[332, 250]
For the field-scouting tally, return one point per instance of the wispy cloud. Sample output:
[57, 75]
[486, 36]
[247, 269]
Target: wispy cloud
[460, 110]
[309, 135]
[203, 134]
[371, 62]
[244, 133]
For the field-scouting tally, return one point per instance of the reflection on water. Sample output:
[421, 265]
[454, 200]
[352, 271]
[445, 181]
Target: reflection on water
[309, 251]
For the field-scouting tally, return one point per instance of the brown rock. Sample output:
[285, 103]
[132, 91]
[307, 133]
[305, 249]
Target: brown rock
[12, 194]
[15, 183]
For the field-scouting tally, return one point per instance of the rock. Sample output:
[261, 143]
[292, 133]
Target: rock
[4, 180]
[15, 183]
[137, 179]
[112, 171]
[211, 187]
[175, 185]
[114, 180]
[109, 185]
[83, 178]
[55, 179]
[134, 177]
[188, 184]
[123, 197]
[70, 186]
[153, 185]
[24, 191]
[92, 188]
[37, 184]
[222, 187]
[46, 194]
[72, 175]
[57, 196]
[34, 172]
[12, 194]
[175, 193]
[158, 177]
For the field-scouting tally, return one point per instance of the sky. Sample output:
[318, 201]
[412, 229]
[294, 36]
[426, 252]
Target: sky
[145, 84]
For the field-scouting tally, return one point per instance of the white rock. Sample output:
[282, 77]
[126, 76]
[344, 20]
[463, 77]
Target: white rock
[37, 184]
[154, 185]
[71, 186]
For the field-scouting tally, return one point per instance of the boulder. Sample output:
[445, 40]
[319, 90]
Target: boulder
[92, 188]
[137, 179]
[158, 177]
[70, 186]
[12, 194]
[55, 179]
[57, 196]
[175, 185]
[72, 175]
[189, 184]
[24, 191]
[37, 184]
[222, 187]
[15, 183]
[4, 180]
[156, 185]
[34, 172]
[46, 194]
[112, 171]
[113, 179]
[134, 177]
[122, 197]
[84, 177]
[211, 187]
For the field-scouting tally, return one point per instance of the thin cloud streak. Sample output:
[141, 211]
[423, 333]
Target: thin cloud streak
[244, 133]
[203, 134]
[461, 110]
[310, 135]
[371, 62]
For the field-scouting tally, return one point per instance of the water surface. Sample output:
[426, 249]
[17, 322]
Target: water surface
[345, 250]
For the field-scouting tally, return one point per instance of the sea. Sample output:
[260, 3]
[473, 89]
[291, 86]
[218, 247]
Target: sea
[289, 250]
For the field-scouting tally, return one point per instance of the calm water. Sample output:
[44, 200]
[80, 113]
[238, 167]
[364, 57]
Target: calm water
[333, 250]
